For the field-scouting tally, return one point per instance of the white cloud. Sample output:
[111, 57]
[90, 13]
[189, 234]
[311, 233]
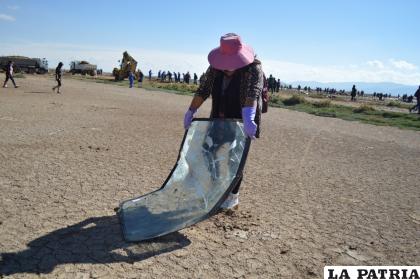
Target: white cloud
[403, 65]
[14, 7]
[376, 63]
[288, 71]
[6, 17]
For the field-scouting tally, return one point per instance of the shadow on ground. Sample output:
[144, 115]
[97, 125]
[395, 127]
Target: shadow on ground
[94, 240]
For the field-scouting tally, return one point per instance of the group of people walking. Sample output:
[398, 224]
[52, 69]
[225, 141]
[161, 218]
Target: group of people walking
[132, 78]
[175, 77]
[10, 71]
[273, 84]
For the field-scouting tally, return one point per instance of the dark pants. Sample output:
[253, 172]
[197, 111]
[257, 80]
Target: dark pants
[220, 136]
[58, 80]
[9, 76]
[417, 106]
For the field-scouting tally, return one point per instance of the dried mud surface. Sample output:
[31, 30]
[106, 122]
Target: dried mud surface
[316, 191]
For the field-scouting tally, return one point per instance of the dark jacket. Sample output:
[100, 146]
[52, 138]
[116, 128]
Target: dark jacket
[58, 72]
[9, 69]
[245, 86]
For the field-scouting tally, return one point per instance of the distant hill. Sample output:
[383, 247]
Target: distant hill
[368, 87]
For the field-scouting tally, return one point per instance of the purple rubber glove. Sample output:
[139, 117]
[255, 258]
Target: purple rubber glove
[248, 116]
[189, 115]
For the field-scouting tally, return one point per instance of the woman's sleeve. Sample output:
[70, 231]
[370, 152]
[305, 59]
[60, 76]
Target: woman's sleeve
[206, 84]
[254, 84]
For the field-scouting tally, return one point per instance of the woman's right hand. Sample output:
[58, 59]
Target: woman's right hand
[189, 115]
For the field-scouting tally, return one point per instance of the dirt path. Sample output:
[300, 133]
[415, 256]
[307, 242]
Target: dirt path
[317, 191]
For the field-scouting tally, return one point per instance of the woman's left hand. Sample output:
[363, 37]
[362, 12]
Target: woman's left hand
[248, 116]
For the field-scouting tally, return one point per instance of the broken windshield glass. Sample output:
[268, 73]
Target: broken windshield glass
[211, 160]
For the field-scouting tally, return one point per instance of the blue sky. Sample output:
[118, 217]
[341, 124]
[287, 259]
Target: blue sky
[296, 40]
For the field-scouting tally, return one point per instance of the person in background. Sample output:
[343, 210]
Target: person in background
[131, 79]
[417, 106]
[235, 82]
[141, 76]
[187, 77]
[195, 78]
[169, 74]
[271, 84]
[353, 93]
[58, 77]
[9, 75]
[150, 74]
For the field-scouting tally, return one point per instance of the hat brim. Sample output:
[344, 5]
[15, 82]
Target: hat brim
[235, 61]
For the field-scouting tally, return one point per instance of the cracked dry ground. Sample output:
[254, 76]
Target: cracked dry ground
[317, 191]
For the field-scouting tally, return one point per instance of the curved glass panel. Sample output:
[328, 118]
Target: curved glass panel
[212, 155]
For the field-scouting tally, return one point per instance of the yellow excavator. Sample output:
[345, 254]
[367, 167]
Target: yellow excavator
[127, 64]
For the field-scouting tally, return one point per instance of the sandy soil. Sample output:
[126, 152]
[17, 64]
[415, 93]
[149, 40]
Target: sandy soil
[317, 191]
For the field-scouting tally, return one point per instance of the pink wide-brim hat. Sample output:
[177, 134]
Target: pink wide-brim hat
[232, 54]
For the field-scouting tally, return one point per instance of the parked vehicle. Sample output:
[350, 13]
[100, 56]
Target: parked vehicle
[82, 67]
[127, 64]
[25, 64]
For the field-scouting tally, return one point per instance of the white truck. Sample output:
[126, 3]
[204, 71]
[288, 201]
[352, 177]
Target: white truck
[82, 67]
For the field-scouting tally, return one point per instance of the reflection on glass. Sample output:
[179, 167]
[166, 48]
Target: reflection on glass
[209, 161]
